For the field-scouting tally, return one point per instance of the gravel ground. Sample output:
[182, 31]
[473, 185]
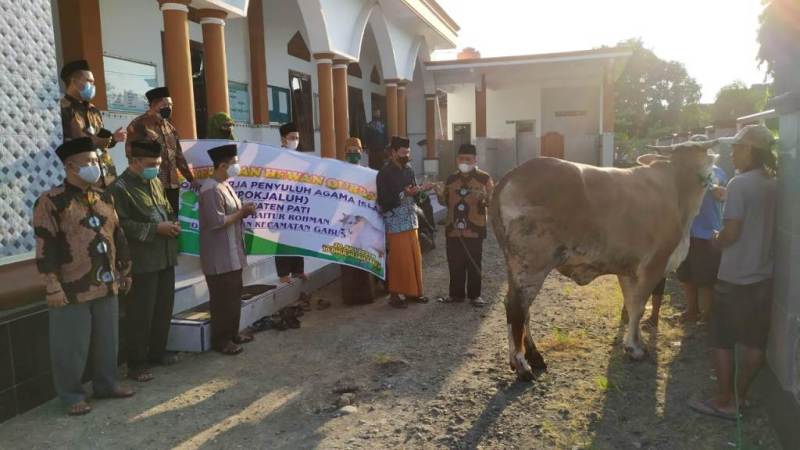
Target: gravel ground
[431, 376]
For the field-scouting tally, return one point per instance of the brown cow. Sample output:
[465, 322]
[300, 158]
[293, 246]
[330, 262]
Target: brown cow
[589, 221]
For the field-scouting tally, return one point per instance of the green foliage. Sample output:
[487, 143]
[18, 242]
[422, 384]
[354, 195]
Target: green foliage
[779, 33]
[736, 100]
[654, 97]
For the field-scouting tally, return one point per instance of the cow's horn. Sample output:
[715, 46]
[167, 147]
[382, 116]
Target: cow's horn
[661, 148]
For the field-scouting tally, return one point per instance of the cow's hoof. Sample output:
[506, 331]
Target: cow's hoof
[526, 376]
[635, 354]
[536, 361]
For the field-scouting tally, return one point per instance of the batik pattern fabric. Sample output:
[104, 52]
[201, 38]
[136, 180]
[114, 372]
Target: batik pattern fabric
[83, 119]
[151, 127]
[466, 197]
[80, 247]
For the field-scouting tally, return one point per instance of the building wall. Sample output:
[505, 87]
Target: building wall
[512, 103]
[460, 107]
[580, 131]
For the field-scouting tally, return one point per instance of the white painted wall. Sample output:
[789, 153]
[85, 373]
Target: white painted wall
[460, 107]
[508, 103]
[367, 60]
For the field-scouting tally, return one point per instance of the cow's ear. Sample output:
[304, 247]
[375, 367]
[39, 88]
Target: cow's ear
[650, 158]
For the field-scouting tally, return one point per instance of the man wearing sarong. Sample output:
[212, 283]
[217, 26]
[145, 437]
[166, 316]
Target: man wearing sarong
[397, 189]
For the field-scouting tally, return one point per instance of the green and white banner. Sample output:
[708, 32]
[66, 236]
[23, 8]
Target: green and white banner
[306, 205]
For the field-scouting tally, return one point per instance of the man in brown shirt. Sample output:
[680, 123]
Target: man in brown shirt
[82, 254]
[80, 118]
[466, 195]
[222, 249]
[154, 125]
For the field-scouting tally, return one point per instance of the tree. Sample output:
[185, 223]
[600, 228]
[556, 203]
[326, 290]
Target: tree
[653, 97]
[779, 33]
[736, 100]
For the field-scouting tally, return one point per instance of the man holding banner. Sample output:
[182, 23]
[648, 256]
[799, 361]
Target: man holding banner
[222, 253]
[397, 189]
[289, 266]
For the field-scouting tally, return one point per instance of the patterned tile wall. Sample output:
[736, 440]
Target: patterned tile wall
[30, 126]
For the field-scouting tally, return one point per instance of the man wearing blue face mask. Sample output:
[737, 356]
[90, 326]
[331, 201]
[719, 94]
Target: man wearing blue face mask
[80, 118]
[150, 225]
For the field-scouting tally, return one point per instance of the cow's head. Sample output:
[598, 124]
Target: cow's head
[692, 159]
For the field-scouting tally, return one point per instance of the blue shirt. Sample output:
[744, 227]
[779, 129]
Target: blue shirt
[709, 219]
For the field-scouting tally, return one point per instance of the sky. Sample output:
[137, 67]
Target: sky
[714, 39]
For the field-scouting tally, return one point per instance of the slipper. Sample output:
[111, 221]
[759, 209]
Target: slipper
[231, 349]
[118, 392]
[398, 303]
[79, 409]
[304, 302]
[422, 299]
[243, 339]
[450, 300]
[140, 375]
[323, 304]
[706, 407]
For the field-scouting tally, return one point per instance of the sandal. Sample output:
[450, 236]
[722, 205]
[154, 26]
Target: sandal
[397, 302]
[421, 299]
[243, 339]
[140, 375]
[304, 302]
[706, 407]
[79, 409]
[323, 304]
[450, 300]
[118, 392]
[231, 349]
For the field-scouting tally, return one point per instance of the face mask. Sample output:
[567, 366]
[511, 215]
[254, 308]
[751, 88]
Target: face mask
[292, 145]
[403, 160]
[87, 92]
[149, 173]
[465, 168]
[233, 170]
[165, 112]
[353, 158]
[89, 174]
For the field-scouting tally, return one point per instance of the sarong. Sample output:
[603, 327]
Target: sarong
[404, 263]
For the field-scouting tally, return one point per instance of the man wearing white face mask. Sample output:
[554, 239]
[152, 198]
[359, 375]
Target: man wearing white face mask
[83, 257]
[290, 266]
[222, 249]
[466, 195]
[151, 228]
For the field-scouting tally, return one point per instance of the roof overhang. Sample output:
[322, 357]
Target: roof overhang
[437, 19]
[545, 58]
[234, 8]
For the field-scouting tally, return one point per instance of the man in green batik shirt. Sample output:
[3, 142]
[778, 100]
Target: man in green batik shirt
[151, 229]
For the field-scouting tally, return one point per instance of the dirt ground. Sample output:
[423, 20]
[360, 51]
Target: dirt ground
[431, 376]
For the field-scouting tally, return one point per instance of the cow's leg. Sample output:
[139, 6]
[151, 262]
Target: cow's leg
[532, 354]
[523, 288]
[635, 290]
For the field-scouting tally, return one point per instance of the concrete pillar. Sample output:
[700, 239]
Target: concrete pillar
[258, 63]
[341, 108]
[430, 125]
[402, 122]
[178, 69]
[480, 108]
[326, 114]
[608, 100]
[607, 117]
[81, 38]
[391, 108]
[216, 64]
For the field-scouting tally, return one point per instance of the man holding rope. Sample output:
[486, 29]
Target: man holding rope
[466, 195]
